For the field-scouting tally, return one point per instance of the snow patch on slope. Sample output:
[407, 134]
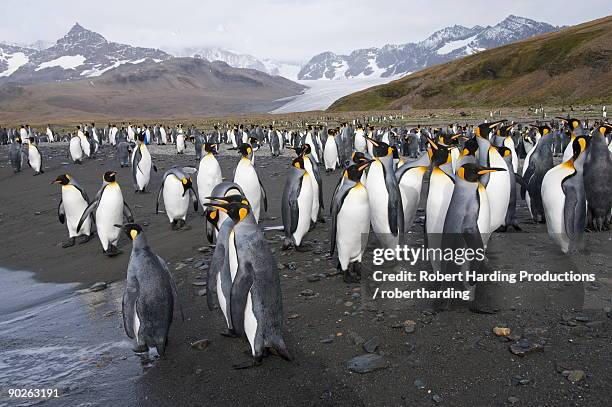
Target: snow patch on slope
[14, 61]
[453, 45]
[64, 62]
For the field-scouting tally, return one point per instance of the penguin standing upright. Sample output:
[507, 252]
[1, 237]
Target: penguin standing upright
[410, 180]
[510, 219]
[441, 185]
[123, 153]
[317, 184]
[246, 176]
[85, 146]
[350, 223]
[538, 162]
[149, 296]
[73, 203]
[35, 158]
[598, 179]
[386, 213]
[275, 141]
[575, 128]
[16, 155]
[564, 199]
[180, 140]
[215, 217]
[498, 189]
[109, 209]
[177, 190]
[209, 173]
[141, 165]
[75, 149]
[330, 152]
[360, 141]
[256, 298]
[297, 203]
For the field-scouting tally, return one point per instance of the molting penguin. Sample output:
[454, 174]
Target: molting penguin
[16, 155]
[350, 223]
[109, 209]
[177, 190]
[598, 179]
[72, 205]
[256, 298]
[149, 296]
[123, 153]
[386, 214]
[141, 165]
[297, 204]
[564, 200]
[246, 176]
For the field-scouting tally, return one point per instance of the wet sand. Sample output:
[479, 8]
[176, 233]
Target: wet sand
[454, 354]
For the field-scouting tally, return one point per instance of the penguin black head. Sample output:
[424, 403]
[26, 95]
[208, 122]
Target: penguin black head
[504, 151]
[381, 149]
[187, 184]
[604, 129]
[439, 153]
[212, 216]
[298, 162]
[306, 149]
[572, 123]
[210, 148]
[579, 145]
[355, 171]
[542, 129]
[245, 150]
[470, 171]
[236, 206]
[132, 230]
[63, 179]
[17, 140]
[470, 146]
[482, 130]
[358, 157]
[109, 176]
[331, 132]
[504, 131]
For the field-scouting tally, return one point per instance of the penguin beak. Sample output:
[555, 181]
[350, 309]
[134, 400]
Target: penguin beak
[432, 143]
[365, 165]
[486, 170]
[371, 140]
[221, 207]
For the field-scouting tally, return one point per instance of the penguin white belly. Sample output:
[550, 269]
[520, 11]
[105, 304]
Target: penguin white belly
[175, 202]
[34, 158]
[164, 136]
[410, 190]
[314, 210]
[74, 206]
[553, 200]
[180, 143]
[232, 255]
[509, 143]
[313, 152]
[439, 197]
[246, 177]
[378, 197]
[305, 209]
[455, 154]
[143, 172]
[330, 154]
[108, 214]
[360, 143]
[136, 325]
[352, 223]
[76, 152]
[484, 215]
[209, 176]
[222, 300]
[569, 151]
[85, 145]
[498, 192]
[250, 322]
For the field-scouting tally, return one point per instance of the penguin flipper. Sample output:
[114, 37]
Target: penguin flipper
[263, 193]
[127, 213]
[61, 213]
[128, 306]
[238, 297]
[526, 178]
[337, 203]
[159, 194]
[86, 213]
[572, 213]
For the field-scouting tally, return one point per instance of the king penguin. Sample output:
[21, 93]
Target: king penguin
[214, 216]
[410, 180]
[109, 209]
[297, 204]
[75, 149]
[574, 126]
[256, 298]
[386, 214]
[73, 203]
[177, 190]
[246, 176]
[141, 165]
[351, 223]
[598, 179]
[317, 184]
[564, 200]
[35, 158]
[16, 155]
[538, 162]
[330, 152]
[149, 296]
[209, 172]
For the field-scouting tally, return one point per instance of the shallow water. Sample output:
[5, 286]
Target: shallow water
[53, 336]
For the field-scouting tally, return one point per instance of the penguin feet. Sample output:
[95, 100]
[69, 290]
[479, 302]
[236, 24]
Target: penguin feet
[502, 229]
[180, 224]
[229, 333]
[517, 228]
[140, 348]
[247, 364]
[349, 277]
[112, 251]
[321, 219]
[303, 248]
[68, 243]
[286, 244]
[84, 239]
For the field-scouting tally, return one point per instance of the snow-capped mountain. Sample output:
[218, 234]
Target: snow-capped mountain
[235, 59]
[12, 57]
[442, 46]
[81, 53]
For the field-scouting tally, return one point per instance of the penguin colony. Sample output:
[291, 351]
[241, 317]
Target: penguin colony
[474, 183]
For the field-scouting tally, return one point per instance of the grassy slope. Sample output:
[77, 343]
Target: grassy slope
[569, 66]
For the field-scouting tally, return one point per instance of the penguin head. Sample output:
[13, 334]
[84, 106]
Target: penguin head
[355, 171]
[573, 124]
[470, 147]
[187, 184]
[305, 150]
[483, 130]
[331, 132]
[132, 230]
[503, 151]
[579, 145]
[210, 148]
[470, 172]
[109, 176]
[381, 149]
[504, 131]
[605, 129]
[17, 140]
[298, 162]
[358, 157]
[542, 129]
[212, 216]
[237, 207]
[246, 150]
[63, 179]
[440, 153]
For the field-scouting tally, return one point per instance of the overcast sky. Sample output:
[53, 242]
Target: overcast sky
[281, 29]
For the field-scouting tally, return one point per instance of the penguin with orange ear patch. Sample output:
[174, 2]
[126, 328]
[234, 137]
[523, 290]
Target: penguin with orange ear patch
[598, 179]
